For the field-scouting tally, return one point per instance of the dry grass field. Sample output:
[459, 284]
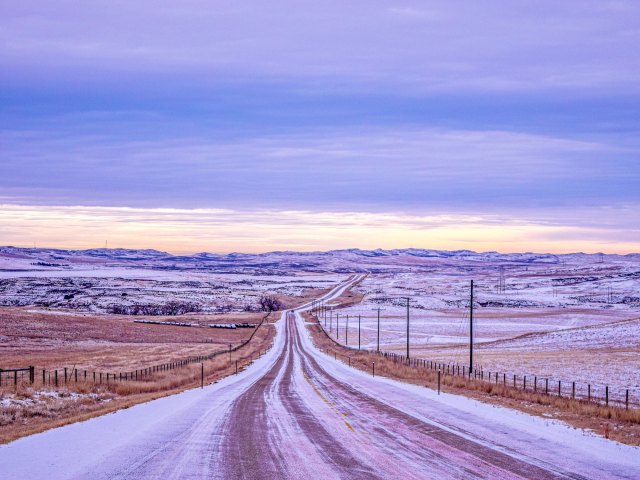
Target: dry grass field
[109, 344]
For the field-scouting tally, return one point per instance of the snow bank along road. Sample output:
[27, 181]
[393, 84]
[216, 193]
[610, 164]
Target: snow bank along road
[297, 413]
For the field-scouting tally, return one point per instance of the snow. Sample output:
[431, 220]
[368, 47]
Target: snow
[40, 397]
[68, 451]
[566, 313]
[179, 435]
[495, 425]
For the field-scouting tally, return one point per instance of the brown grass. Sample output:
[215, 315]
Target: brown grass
[109, 342]
[612, 422]
[82, 400]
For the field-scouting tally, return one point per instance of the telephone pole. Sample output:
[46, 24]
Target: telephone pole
[358, 332]
[471, 331]
[378, 348]
[407, 298]
[346, 333]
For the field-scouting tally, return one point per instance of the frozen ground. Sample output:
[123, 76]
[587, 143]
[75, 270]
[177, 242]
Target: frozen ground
[577, 320]
[566, 294]
[297, 413]
[84, 283]
[535, 298]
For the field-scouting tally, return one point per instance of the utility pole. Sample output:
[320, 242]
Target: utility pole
[378, 348]
[337, 326]
[358, 332]
[330, 320]
[407, 326]
[346, 333]
[471, 331]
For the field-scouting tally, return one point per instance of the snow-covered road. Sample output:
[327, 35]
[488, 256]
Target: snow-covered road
[297, 413]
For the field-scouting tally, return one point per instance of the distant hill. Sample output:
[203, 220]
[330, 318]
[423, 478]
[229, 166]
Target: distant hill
[347, 260]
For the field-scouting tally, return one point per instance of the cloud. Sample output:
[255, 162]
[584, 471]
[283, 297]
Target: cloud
[445, 46]
[367, 168]
[495, 110]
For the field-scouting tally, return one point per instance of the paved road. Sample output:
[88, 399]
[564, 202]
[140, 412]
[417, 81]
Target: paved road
[297, 413]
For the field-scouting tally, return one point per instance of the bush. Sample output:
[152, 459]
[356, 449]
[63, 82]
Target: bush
[171, 308]
[269, 304]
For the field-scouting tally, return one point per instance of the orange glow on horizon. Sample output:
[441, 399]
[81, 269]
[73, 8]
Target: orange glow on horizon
[183, 231]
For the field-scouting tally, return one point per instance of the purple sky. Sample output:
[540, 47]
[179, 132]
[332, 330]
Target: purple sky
[516, 114]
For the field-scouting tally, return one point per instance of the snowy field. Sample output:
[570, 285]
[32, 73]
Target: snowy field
[563, 316]
[535, 298]
[99, 286]
[577, 320]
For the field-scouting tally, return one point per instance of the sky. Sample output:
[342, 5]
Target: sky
[296, 125]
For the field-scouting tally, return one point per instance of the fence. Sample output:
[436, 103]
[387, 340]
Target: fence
[65, 376]
[589, 392]
[13, 375]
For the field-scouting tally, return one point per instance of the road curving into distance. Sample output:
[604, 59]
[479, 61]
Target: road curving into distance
[297, 413]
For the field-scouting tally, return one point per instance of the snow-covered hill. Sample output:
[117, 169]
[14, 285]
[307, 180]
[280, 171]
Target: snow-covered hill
[339, 261]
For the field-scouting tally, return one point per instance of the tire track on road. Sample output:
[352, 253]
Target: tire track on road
[395, 419]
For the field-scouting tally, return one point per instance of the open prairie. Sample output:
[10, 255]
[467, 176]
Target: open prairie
[576, 319]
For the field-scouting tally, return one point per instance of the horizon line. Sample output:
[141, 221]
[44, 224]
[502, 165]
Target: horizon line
[267, 252]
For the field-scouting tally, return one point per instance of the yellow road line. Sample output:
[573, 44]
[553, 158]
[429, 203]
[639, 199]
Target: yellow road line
[332, 405]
